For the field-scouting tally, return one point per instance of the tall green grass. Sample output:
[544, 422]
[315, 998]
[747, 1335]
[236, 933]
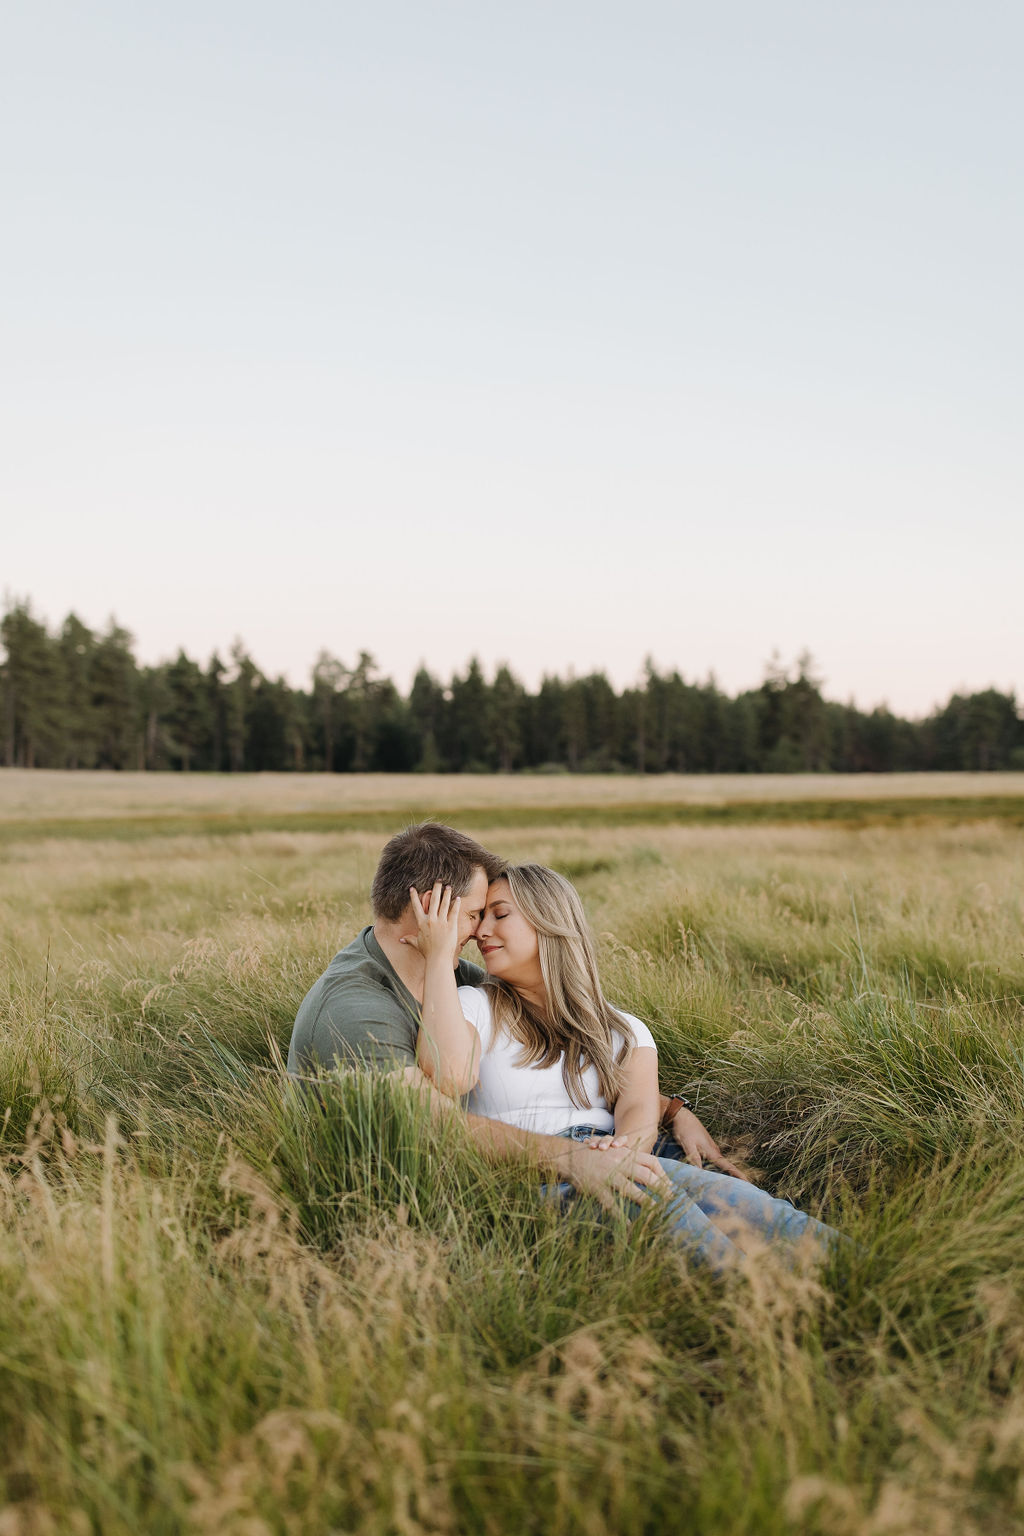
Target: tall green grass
[225, 1308]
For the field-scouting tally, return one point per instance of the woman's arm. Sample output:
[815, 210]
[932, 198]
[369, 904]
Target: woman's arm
[638, 1108]
[447, 1045]
[619, 1170]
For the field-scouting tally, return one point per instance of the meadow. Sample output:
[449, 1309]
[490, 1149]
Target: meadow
[220, 1312]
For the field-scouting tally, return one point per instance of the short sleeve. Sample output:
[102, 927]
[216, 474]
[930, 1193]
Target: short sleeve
[364, 1026]
[641, 1034]
[476, 1008]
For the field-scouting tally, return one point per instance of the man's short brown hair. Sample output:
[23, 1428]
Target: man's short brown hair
[421, 855]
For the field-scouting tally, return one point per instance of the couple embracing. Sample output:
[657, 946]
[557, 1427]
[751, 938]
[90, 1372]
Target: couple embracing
[552, 1076]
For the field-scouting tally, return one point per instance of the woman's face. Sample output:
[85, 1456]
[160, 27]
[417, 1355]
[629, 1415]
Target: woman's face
[508, 942]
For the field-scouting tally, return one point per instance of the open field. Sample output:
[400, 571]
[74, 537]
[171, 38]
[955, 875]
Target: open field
[39, 803]
[41, 794]
[220, 1316]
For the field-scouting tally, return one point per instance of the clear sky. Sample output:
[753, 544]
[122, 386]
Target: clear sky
[561, 333]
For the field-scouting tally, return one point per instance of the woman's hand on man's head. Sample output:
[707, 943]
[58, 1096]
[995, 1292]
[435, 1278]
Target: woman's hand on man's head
[437, 924]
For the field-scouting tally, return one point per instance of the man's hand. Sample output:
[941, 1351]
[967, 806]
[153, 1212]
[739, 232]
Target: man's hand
[605, 1172]
[699, 1146]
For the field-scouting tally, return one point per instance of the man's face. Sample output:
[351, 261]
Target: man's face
[472, 909]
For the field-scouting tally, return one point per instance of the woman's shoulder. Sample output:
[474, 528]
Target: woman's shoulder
[641, 1034]
[476, 1006]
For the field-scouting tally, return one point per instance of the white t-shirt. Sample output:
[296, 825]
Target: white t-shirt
[534, 1098]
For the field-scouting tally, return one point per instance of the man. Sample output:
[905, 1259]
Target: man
[366, 1010]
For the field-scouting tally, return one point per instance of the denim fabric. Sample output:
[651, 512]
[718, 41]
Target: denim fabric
[719, 1219]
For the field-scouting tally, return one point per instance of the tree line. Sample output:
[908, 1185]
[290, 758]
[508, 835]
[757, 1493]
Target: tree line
[78, 698]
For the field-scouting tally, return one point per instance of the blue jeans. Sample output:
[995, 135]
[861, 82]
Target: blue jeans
[719, 1219]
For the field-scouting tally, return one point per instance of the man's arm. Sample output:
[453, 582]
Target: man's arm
[357, 1025]
[698, 1145]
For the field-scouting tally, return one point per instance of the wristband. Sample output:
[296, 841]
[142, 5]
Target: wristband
[676, 1102]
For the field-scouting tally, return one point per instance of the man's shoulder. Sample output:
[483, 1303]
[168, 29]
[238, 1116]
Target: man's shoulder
[355, 974]
[356, 1005]
[363, 962]
[357, 962]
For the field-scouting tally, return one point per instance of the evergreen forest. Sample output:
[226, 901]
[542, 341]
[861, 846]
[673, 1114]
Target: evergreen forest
[77, 698]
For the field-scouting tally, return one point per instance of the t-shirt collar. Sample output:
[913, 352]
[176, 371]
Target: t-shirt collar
[373, 949]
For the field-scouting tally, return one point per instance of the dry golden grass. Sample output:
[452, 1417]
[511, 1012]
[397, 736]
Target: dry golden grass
[51, 795]
[214, 1318]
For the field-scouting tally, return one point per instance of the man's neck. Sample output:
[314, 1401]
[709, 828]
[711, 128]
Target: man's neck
[405, 961]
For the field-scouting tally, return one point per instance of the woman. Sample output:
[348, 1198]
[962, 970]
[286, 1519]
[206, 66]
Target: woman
[540, 1048]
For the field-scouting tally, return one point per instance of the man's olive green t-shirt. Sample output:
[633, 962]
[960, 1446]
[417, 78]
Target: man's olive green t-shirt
[360, 1013]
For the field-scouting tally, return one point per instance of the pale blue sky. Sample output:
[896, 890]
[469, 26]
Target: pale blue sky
[559, 333]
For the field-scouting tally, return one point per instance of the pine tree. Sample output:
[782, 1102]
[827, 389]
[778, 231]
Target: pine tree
[505, 722]
[362, 700]
[469, 716]
[238, 706]
[115, 694]
[216, 703]
[189, 712]
[33, 691]
[329, 676]
[427, 712]
[77, 646]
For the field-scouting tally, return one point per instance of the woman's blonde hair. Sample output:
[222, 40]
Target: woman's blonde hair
[578, 1023]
